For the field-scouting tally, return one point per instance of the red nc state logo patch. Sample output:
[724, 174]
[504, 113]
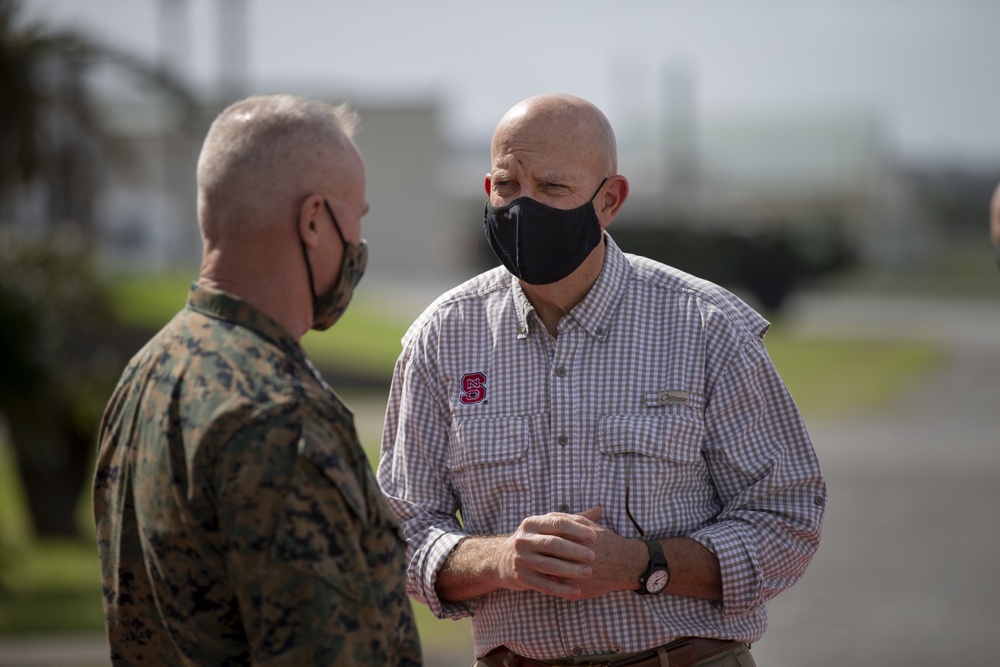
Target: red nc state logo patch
[473, 388]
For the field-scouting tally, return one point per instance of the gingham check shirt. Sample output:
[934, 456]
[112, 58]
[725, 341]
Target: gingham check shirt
[658, 381]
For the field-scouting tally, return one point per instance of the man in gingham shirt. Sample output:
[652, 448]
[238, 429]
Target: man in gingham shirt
[556, 423]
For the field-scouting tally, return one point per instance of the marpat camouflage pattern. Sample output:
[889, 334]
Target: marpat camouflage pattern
[238, 519]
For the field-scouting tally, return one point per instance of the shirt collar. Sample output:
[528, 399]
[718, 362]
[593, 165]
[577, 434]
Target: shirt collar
[226, 307]
[595, 311]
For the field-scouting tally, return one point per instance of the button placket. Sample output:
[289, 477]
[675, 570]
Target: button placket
[564, 441]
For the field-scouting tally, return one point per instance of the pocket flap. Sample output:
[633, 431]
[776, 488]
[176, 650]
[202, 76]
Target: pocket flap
[668, 437]
[484, 441]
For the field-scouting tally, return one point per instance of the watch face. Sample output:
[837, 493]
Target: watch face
[657, 581]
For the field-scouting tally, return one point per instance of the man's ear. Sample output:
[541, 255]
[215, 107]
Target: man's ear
[487, 182]
[308, 222]
[610, 201]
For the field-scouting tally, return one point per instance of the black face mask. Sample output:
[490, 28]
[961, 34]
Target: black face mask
[540, 244]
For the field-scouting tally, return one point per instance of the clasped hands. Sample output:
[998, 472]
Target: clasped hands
[570, 556]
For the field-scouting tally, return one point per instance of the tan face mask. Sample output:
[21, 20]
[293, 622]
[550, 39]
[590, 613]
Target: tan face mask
[327, 308]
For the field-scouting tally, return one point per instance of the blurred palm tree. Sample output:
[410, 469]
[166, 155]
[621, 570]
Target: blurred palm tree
[58, 362]
[50, 135]
[55, 366]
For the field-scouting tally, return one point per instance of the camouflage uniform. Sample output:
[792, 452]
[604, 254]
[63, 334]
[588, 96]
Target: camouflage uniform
[238, 520]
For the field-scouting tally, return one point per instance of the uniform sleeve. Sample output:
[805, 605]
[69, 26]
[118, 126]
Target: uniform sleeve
[312, 558]
[767, 476]
[412, 475]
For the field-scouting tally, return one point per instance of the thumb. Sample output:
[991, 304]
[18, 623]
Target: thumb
[594, 514]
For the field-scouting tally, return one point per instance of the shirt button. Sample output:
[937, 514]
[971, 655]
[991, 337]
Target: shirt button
[819, 501]
[564, 508]
[562, 439]
[560, 371]
[577, 650]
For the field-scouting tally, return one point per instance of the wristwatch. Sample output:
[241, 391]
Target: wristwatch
[657, 575]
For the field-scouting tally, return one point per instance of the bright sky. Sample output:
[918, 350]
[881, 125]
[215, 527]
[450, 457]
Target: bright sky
[927, 69]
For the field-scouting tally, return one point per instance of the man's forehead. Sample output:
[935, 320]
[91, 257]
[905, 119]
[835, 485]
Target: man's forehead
[554, 174]
[554, 160]
[536, 147]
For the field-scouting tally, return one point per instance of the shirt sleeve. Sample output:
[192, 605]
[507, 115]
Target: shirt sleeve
[304, 543]
[768, 479]
[412, 474]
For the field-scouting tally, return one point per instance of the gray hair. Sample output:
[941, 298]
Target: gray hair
[263, 152]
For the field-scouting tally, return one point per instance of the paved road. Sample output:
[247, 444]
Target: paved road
[906, 574]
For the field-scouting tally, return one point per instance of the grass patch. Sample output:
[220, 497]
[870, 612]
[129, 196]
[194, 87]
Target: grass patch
[831, 377]
[52, 586]
[149, 301]
[364, 342]
[437, 634]
[961, 269]
[14, 529]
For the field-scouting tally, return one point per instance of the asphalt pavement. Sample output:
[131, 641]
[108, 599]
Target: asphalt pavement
[906, 573]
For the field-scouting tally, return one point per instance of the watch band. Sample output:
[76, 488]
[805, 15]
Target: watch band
[657, 574]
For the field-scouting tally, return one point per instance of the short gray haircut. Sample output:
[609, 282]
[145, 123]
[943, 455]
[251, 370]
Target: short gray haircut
[264, 151]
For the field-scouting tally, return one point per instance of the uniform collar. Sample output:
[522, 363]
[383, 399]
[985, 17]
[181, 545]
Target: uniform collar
[228, 308]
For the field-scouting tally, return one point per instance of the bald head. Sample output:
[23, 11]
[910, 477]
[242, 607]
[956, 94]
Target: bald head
[264, 153]
[560, 124]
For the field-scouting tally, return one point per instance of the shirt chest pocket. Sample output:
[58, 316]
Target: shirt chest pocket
[658, 462]
[488, 466]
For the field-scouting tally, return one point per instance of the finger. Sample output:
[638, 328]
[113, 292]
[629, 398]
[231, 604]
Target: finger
[572, 527]
[594, 514]
[552, 546]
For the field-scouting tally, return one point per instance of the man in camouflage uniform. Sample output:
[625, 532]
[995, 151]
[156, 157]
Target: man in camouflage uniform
[238, 520]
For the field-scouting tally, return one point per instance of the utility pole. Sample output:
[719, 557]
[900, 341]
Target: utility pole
[680, 139]
[172, 204]
[233, 49]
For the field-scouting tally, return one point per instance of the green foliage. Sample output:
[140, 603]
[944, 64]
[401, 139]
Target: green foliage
[57, 367]
[55, 323]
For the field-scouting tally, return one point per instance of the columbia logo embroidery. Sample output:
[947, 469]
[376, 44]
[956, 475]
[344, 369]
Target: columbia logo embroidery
[669, 397]
[473, 388]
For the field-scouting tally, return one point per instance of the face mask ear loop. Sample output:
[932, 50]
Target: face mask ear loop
[336, 225]
[343, 241]
[598, 190]
[309, 270]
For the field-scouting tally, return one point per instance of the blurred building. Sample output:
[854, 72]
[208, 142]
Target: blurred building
[147, 216]
[834, 173]
[426, 194]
